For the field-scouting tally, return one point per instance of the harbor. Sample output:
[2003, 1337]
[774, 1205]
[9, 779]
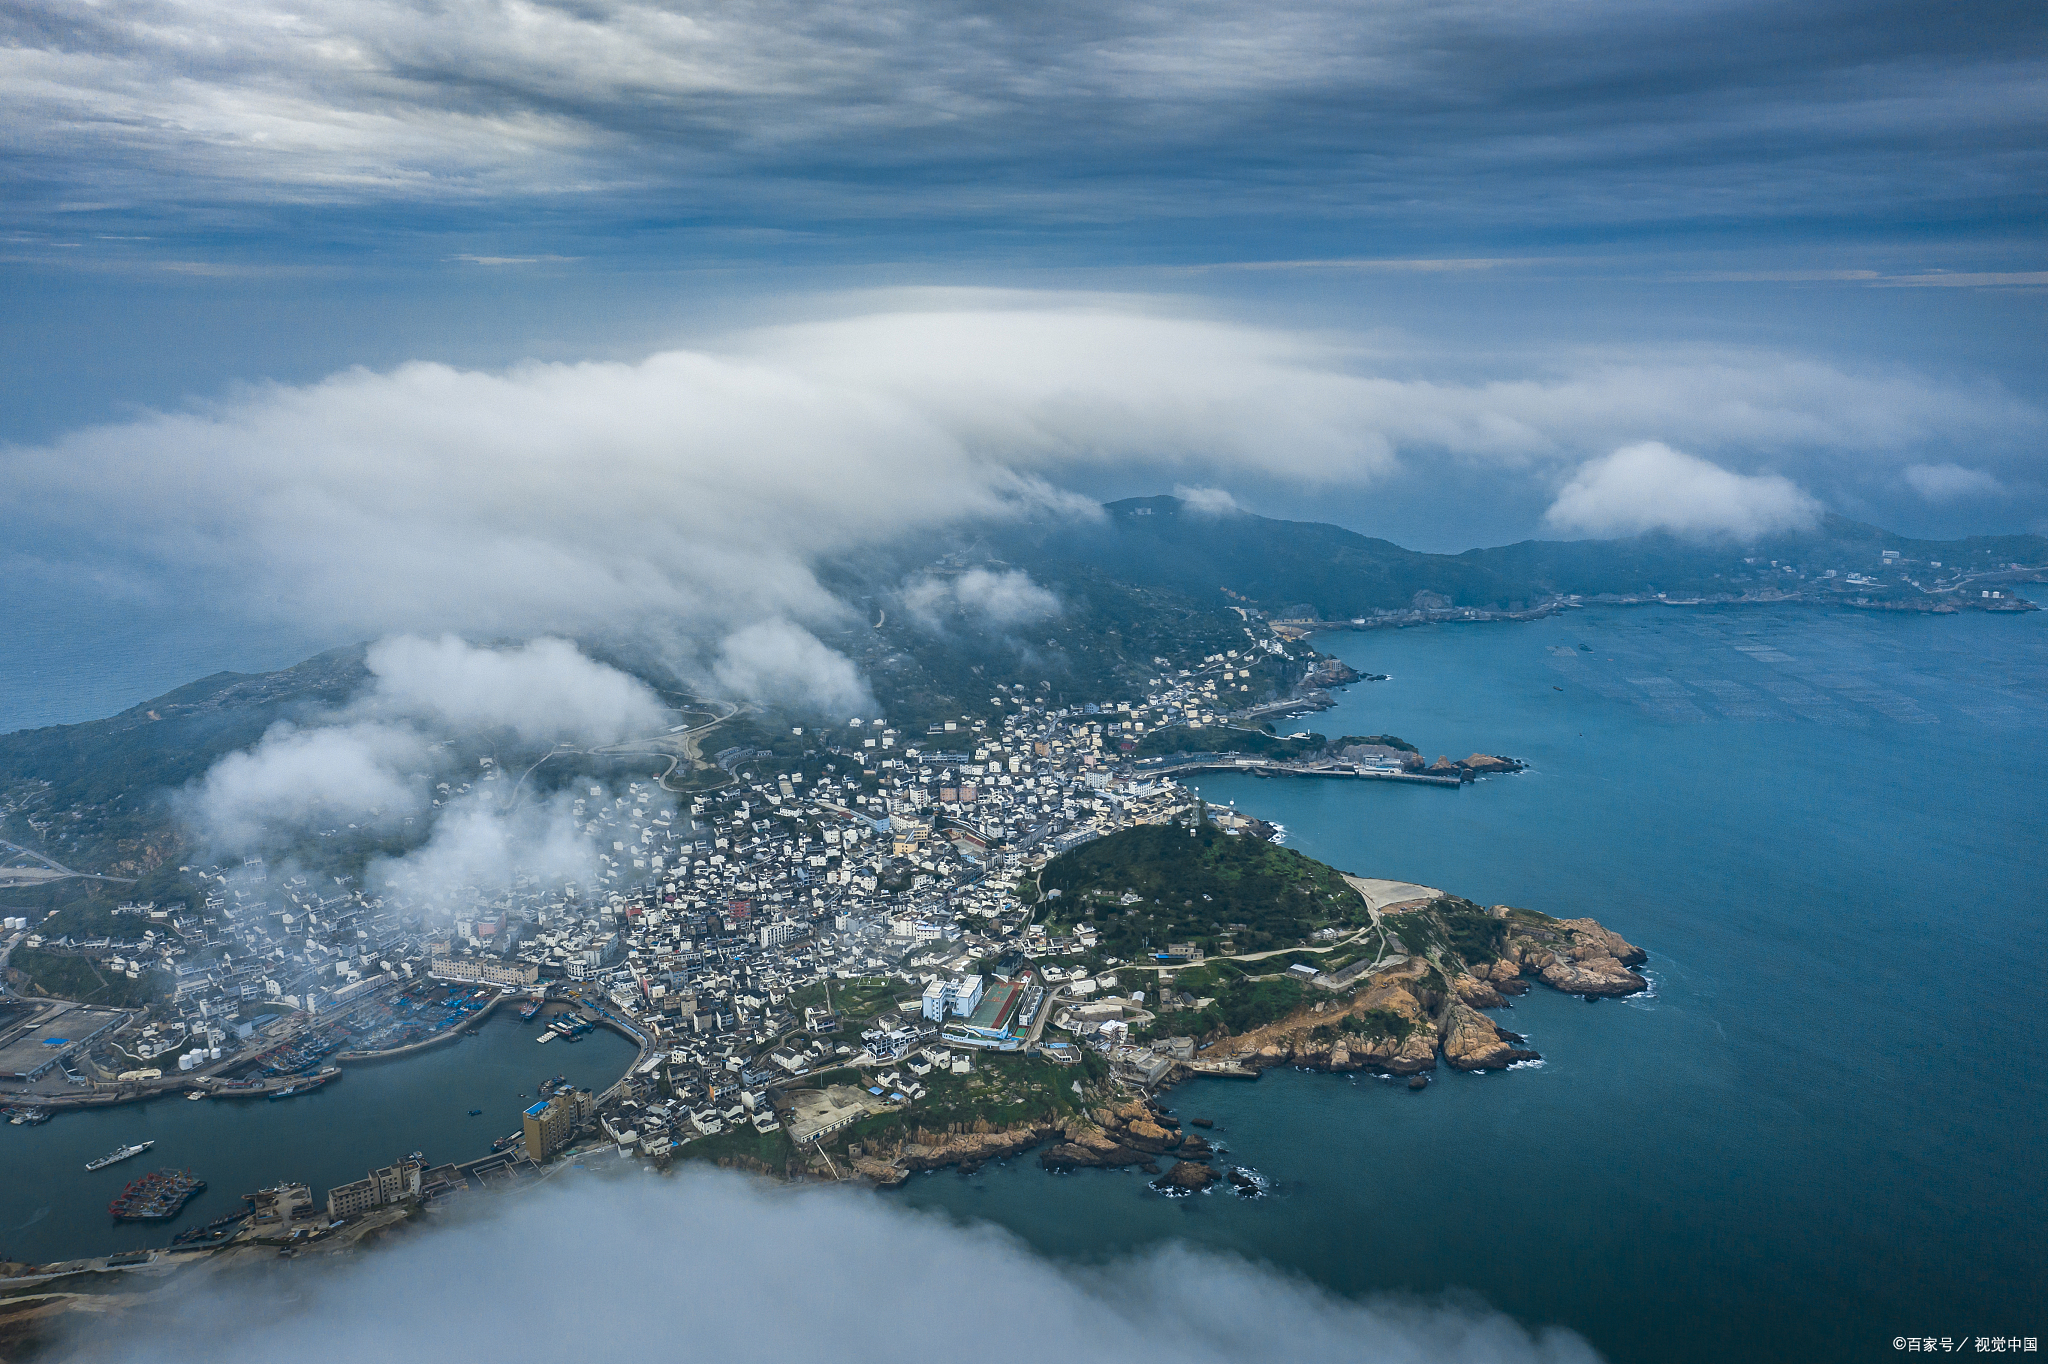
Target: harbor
[52, 1208]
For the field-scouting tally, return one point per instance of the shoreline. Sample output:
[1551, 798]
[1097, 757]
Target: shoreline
[1479, 615]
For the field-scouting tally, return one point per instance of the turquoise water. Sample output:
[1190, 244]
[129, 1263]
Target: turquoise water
[1825, 1128]
[51, 1209]
[61, 663]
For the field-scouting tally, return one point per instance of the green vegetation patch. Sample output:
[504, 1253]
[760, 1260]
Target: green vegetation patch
[63, 976]
[1377, 1025]
[1239, 1007]
[742, 1145]
[1198, 886]
[1386, 740]
[1473, 934]
[855, 1001]
[1002, 1090]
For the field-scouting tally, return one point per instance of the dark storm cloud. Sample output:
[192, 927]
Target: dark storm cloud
[1502, 117]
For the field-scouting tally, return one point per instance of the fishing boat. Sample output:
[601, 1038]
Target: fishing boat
[526, 1013]
[115, 1157]
[219, 1229]
[156, 1197]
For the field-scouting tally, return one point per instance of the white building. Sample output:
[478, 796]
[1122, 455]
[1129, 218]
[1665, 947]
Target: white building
[957, 997]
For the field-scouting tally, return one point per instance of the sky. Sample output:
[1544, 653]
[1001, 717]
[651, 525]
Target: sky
[203, 196]
[278, 272]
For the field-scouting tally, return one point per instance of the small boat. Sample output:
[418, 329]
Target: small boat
[196, 1095]
[476, 1112]
[115, 1157]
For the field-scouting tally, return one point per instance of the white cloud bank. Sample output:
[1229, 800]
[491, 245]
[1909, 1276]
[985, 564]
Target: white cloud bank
[688, 497]
[997, 600]
[1651, 486]
[375, 764]
[298, 778]
[714, 1266]
[1949, 482]
[545, 690]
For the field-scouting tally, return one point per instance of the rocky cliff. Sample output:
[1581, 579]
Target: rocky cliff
[1422, 1008]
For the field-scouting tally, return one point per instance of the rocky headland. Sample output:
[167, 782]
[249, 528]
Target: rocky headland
[1425, 1007]
[1408, 989]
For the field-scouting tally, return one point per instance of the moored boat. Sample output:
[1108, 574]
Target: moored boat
[156, 1197]
[116, 1156]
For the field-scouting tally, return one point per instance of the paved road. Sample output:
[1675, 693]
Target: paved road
[44, 858]
[50, 870]
[676, 746]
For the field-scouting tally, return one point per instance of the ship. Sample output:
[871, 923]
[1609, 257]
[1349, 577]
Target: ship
[219, 1229]
[156, 1197]
[306, 1084]
[116, 1157]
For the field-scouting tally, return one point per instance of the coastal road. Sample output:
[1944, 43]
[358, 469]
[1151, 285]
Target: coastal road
[1045, 1010]
[678, 746]
[50, 870]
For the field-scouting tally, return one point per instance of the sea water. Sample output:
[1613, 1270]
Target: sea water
[52, 1209]
[68, 655]
[1822, 1130]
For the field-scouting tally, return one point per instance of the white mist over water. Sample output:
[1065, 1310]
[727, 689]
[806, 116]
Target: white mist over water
[710, 1265]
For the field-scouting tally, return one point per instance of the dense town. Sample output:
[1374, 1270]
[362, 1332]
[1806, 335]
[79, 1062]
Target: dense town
[866, 910]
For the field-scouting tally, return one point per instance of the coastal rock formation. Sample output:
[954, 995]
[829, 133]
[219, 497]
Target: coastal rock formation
[928, 1150]
[1128, 1133]
[1425, 1005]
[1471, 1041]
[884, 1174]
[936, 1150]
[1574, 955]
[1477, 993]
[1149, 1137]
[1190, 1175]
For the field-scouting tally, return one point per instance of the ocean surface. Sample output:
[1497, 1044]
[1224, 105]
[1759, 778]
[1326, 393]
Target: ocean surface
[1824, 1129]
[61, 663]
[51, 1209]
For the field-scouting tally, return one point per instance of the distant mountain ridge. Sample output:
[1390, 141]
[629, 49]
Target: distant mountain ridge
[1338, 574]
[1153, 584]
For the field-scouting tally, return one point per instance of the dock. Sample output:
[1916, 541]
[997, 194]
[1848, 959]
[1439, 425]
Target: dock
[1261, 767]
